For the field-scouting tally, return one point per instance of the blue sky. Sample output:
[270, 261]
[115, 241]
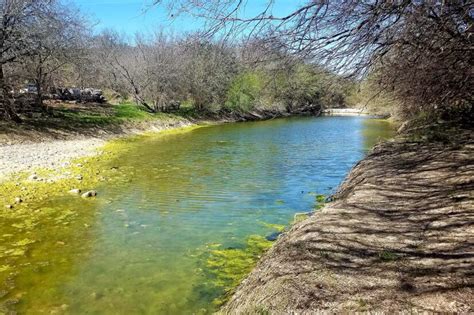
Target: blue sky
[129, 16]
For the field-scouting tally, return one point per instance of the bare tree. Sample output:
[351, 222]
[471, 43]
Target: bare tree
[19, 20]
[163, 67]
[126, 63]
[59, 41]
[208, 71]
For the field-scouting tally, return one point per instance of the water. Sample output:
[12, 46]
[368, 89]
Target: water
[141, 247]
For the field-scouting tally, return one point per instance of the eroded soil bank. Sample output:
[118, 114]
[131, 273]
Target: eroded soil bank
[398, 237]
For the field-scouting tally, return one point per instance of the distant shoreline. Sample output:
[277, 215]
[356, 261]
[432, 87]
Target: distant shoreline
[345, 112]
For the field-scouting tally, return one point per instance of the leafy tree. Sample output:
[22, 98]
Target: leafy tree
[244, 91]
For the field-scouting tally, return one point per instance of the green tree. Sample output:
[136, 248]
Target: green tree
[244, 91]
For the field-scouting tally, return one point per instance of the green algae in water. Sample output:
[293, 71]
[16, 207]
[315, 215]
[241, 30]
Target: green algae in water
[320, 201]
[140, 246]
[229, 266]
[276, 227]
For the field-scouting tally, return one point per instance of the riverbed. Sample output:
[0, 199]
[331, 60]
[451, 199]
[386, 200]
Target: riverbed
[145, 244]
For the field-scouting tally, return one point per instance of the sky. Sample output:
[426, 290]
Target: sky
[131, 16]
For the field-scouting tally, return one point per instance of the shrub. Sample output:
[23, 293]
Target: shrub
[244, 91]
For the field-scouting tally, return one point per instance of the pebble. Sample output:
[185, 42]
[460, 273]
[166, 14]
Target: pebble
[9, 206]
[90, 193]
[97, 296]
[18, 200]
[79, 177]
[33, 177]
[75, 191]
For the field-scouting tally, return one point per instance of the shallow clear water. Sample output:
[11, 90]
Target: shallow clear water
[140, 246]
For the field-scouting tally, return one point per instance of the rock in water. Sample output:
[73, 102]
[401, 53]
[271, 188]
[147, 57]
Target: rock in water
[75, 191]
[273, 237]
[90, 193]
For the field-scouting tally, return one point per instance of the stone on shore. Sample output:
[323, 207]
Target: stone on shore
[33, 177]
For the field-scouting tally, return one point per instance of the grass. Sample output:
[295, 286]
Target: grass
[106, 114]
[103, 115]
[387, 256]
[129, 111]
[87, 119]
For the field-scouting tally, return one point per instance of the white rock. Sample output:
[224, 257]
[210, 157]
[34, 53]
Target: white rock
[90, 193]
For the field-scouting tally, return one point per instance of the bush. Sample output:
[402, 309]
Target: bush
[299, 88]
[305, 84]
[244, 91]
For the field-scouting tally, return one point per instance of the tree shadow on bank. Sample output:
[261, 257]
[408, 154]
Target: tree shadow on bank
[70, 120]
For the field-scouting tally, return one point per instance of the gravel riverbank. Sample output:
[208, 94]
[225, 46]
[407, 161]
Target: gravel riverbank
[26, 157]
[40, 150]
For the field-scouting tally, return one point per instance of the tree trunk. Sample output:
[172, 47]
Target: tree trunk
[141, 101]
[8, 107]
[39, 87]
[39, 95]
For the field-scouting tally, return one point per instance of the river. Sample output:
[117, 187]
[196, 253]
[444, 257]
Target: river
[145, 244]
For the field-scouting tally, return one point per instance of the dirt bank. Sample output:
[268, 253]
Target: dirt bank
[398, 237]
